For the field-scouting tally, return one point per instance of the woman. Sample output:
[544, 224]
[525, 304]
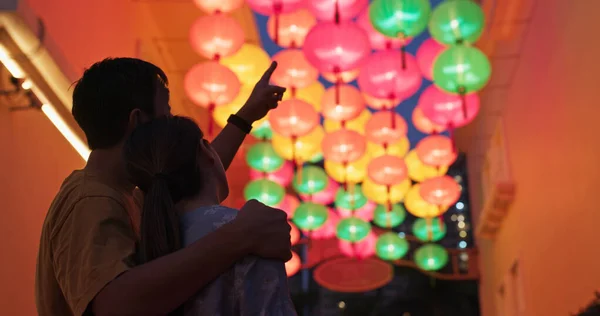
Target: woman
[183, 179]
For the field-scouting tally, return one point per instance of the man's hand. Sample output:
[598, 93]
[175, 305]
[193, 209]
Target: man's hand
[266, 229]
[264, 98]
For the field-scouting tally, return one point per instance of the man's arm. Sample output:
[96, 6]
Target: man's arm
[228, 142]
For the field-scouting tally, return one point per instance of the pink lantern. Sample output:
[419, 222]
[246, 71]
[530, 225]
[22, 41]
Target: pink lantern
[328, 229]
[360, 250]
[448, 109]
[331, 10]
[378, 41]
[364, 213]
[336, 47]
[426, 55]
[380, 104]
[289, 205]
[424, 124]
[215, 36]
[436, 151]
[342, 103]
[343, 77]
[387, 170]
[275, 7]
[293, 118]
[292, 28]
[293, 70]
[385, 127]
[343, 146]
[385, 75]
[441, 191]
[282, 176]
[217, 6]
[326, 196]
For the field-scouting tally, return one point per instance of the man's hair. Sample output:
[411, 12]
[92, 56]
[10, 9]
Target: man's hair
[107, 93]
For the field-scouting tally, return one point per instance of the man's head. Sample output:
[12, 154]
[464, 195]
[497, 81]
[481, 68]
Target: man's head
[114, 95]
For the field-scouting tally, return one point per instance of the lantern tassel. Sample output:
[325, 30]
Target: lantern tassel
[429, 229]
[211, 122]
[388, 208]
[337, 12]
[277, 8]
[296, 161]
[440, 219]
[392, 116]
[338, 84]
[452, 138]
[351, 190]
[403, 54]
[463, 101]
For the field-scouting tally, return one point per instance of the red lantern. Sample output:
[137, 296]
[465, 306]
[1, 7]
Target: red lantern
[324, 197]
[336, 10]
[365, 213]
[275, 7]
[426, 55]
[328, 229]
[293, 118]
[342, 103]
[442, 191]
[378, 41]
[385, 127]
[289, 205]
[292, 28]
[215, 36]
[448, 109]
[390, 75]
[423, 124]
[216, 6]
[293, 265]
[436, 151]
[336, 47]
[343, 146]
[360, 250]
[282, 176]
[293, 70]
[387, 170]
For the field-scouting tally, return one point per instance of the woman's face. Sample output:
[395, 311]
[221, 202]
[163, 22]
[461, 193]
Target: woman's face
[215, 168]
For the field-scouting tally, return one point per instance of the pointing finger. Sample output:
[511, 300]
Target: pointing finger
[266, 77]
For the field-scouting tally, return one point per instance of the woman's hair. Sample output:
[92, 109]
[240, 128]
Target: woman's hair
[161, 158]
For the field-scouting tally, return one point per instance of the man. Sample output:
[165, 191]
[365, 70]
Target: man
[88, 238]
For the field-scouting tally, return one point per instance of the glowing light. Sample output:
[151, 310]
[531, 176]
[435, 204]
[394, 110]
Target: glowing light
[462, 234]
[462, 244]
[460, 205]
[461, 225]
[10, 64]
[66, 131]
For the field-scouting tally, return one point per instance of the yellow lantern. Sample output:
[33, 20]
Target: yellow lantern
[355, 172]
[379, 193]
[306, 147]
[418, 207]
[222, 112]
[249, 63]
[311, 94]
[357, 124]
[398, 149]
[420, 172]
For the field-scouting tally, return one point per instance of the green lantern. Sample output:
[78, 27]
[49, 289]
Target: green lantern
[461, 69]
[390, 246]
[385, 218]
[312, 180]
[455, 21]
[397, 18]
[429, 229]
[316, 158]
[266, 191]
[352, 199]
[263, 131]
[262, 157]
[310, 216]
[431, 257]
[353, 229]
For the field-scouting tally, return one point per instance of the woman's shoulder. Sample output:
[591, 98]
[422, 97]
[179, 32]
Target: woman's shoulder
[201, 221]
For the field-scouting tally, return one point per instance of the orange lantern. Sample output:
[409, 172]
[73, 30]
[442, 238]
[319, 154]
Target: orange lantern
[293, 265]
[380, 104]
[398, 149]
[215, 36]
[294, 233]
[436, 151]
[441, 191]
[216, 6]
[417, 171]
[423, 124]
[418, 207]
[343, 146]
[343, 77]
[293, 118]
[293, 70]
[385, 127]
[342, 103]
[387, 170]
[291, 28]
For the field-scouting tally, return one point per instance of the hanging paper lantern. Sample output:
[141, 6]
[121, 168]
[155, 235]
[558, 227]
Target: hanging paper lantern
[379, 193]
[275, 7]
[216, 36]
[282, 176]
[218, 6]
[352, 172]
[429, 230]
[390, 246]
[390, 75]
[350, 199]
[293, 265]
[378, 41]
[381, 104]
[293, 70]
[357, 124]
[248, 63]
[461, 69]
[387, 170]
[343, 146]
[365, 213]
[294, 234]
[441, 191]
[312, 179]
[336, 48]
[291, 28]
[328, 229]
[418, 207]
[389, 218]
[418, 171]
[426, 55]
[399, 18]
[330, 10]
[325, 197]
[352, 229]
[310, 216]
[423, 124]
[359, 250]
[431, 257]
[399, 148]
[303, 149]
[263, 158]
[385, 127]
[448, 109]
[264, 191]
[342, 103]
[263, 130]
[436, 151]
[288, 204]
[312, 94]
[210, 84]
[454, 22]
[343, 77]
[293, 118]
